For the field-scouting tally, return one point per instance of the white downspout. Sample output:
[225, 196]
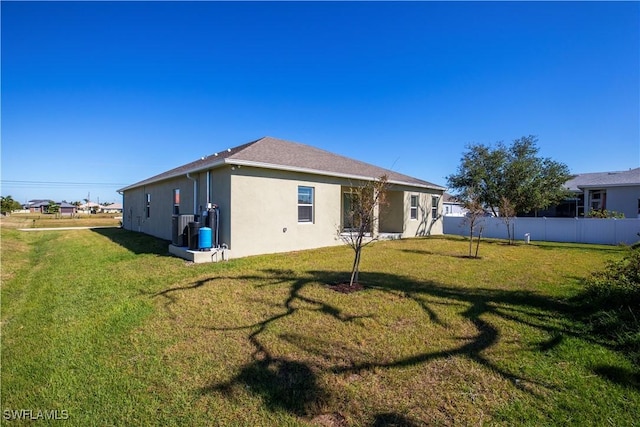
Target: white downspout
[195, 194]
[121, 193]
[208, 189]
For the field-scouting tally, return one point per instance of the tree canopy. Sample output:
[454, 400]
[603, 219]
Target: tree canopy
[8, 204]
[510, 173]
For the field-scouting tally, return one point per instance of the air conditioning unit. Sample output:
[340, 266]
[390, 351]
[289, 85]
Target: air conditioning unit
[179, 225]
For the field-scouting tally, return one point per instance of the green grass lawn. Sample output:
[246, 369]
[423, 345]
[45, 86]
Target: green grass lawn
[107, 327]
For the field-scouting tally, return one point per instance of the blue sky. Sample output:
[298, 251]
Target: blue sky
[98, 95]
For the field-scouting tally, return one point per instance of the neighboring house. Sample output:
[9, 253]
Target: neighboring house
[278, 196]
[67, 208]
[42, 206]
[613, 191]
[38, 206]
[112, 208]
[89, 207]
[451, 206]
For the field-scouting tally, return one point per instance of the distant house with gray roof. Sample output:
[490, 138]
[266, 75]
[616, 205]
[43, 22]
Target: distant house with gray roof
[42, 206]
[277, 196]
[614, 191]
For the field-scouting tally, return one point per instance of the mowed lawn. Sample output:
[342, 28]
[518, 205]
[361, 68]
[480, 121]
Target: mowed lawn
[108, 328]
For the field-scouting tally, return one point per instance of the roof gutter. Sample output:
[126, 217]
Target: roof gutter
[604, 186]
[173, 175]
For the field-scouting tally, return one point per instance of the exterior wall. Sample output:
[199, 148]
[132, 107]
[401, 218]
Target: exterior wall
[624, 200]
[259, 209]
[393, 214]
[424, 224]
[67, 211]
[220, 194]
[133, 209]
[264, 212]
[158, 223]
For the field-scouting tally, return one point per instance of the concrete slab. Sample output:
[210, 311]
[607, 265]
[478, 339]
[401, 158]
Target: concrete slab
[199, 257]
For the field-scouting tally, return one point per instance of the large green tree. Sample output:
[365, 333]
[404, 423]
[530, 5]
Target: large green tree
[511, 174]
[8, 204]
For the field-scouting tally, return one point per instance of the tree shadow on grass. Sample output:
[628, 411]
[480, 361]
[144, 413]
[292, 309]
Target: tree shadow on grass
[622, 376]
[291, 385]
[138, 243]
[431, 253]
[283, 384]
[390, 419]
[170, 299]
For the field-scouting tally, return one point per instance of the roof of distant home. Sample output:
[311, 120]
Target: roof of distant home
[604, 179]
[40, 203]
[273, 153]
[450, 198]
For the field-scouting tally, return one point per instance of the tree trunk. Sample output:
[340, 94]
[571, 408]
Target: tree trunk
[356, 267]
[513, 234]
[478, 241]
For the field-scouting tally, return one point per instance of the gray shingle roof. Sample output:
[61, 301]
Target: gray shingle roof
[273, 153]
[604, 179]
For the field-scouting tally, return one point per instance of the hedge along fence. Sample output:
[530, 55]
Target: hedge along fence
[574, 230]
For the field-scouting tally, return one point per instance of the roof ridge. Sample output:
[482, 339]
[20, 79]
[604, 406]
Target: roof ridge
[375, 171]
[280, 153]
[331, 153]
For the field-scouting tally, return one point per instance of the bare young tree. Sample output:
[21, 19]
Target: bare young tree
[475, 214]
[361, 215]
[507, 214]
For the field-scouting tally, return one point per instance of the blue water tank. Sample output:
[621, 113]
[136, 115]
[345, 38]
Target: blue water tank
[204, 238]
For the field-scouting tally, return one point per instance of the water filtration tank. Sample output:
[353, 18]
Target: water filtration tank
[194, 229]
[204, 238]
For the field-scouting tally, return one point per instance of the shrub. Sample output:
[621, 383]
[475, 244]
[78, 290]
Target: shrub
[618, 283]
[613, 300]
[603, 213]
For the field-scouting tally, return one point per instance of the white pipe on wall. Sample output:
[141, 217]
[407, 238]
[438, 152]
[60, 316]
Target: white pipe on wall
[208, 189]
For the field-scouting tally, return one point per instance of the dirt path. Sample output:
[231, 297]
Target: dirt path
[65, 228]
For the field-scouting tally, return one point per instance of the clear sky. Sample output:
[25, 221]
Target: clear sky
[98, 95]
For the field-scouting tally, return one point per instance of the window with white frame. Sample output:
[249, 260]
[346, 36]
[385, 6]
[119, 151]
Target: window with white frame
[305, 204]
[414, 207]
[434, 207]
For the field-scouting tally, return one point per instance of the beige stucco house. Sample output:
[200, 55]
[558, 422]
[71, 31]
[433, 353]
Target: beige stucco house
[278, 196]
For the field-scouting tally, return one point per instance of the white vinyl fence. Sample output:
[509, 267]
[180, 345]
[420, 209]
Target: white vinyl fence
[576, 230]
